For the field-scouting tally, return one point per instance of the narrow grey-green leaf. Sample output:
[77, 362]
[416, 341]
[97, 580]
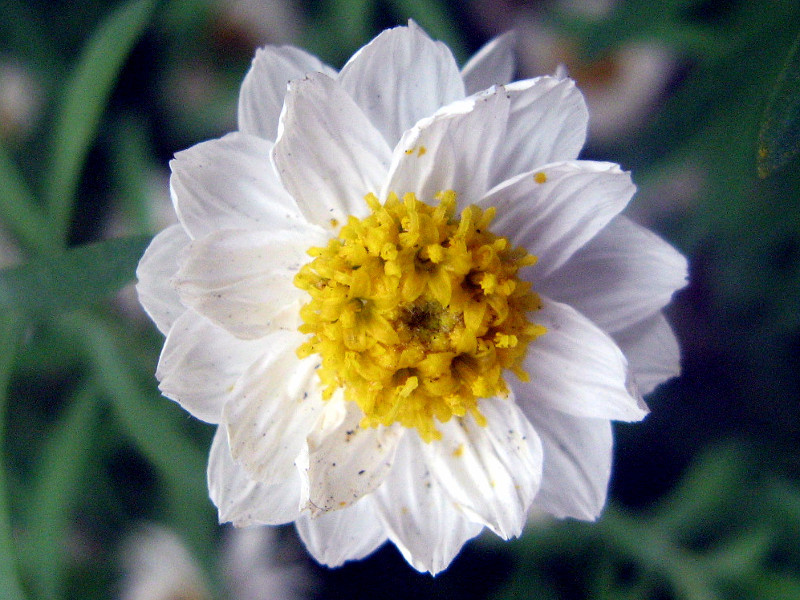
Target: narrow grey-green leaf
[56, 482]
[132, 165]
[21, 214]
[150, 423]
[85, 97]
[338, 28]
[436, 20]
[10, 586]
[24, 31]
[779, 137]
[73, 279]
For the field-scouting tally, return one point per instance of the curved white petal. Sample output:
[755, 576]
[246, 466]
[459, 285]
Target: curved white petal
[244, 501]
[229, 183]
[492, 473]
[341, 535]
[349, 461]
[577, 368]
[554, 211]
[264, 87]
[547, 123]
[652, 351]
[493, 64]
[423, 522]
[200, 363]
[452, 150]
[577, 462]
[328, 154]
[242, 280]
[400, 77]
[620, 277]
[159, 263]
[272, 409]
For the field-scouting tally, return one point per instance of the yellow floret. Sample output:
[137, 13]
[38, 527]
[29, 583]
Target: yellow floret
[417, 314]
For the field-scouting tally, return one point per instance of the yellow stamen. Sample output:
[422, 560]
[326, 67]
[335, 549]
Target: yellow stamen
[417, 314]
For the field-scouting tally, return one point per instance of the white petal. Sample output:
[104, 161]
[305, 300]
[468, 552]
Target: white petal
[341, 535]
[272, 409]
[555, 218]
[264, 86]
[400, 77]
[493, 64]
[620, 277]
[349, 461]
[201, 362]
[229, 183]
[156, 267]
[652, 351]
[242, 280]
[547, 123]
[243, 501]
[452, 150]
[427, 527]
[577, 463]
[577, 368]
[328, 154]
[492, 473]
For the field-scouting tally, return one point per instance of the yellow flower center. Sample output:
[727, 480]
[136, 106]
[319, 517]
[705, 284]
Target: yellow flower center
[417, 314]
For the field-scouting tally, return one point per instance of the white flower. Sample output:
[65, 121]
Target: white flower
[257, 566]
[21, 99]
[150, 575]
[399, 411]
[157, 565]
[621, 88]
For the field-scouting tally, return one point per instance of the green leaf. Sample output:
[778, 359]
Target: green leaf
[21, 213]
[56, 483]
[436, 19]
[779, 137]
[131, 164]
[152, 425]
[24, 31]
[338, 28]
[10, 587]
[76, 278]
[85, 97]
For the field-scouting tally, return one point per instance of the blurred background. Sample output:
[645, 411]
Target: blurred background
[102, 481]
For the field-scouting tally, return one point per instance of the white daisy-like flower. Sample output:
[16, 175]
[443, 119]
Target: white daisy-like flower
[621, 89]
[157, 565]
[404, 302]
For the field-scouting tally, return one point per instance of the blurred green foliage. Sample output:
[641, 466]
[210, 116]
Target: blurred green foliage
[728, 530]
[779, 138]
[89, 448]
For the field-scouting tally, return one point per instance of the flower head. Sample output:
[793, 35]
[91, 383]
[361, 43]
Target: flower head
[157, 565]
[404, 302]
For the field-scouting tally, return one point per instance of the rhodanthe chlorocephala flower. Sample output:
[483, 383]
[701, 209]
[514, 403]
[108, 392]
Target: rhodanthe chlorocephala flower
[408, 307]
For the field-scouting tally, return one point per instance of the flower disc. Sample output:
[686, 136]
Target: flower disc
[417, 314]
